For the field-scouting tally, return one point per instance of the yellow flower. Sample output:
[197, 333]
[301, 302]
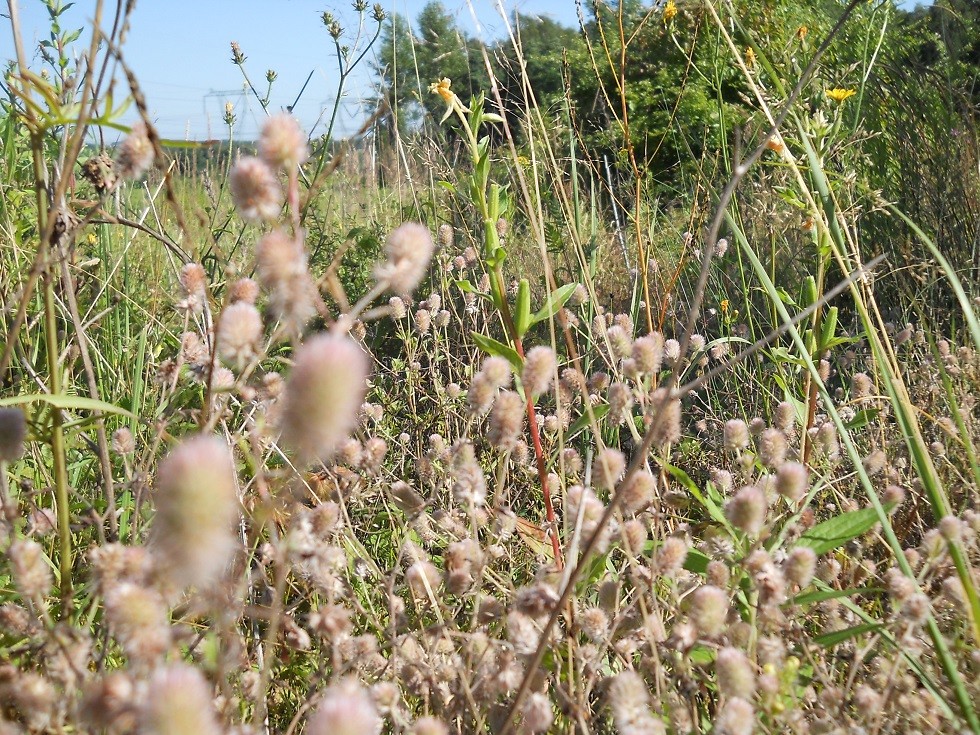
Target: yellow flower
[92, 239]
[670, 11]
[442, 88]
[749, 57]
[839, 94]
[724, 306]
[801, 32]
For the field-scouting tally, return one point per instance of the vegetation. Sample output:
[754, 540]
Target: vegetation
[629, 388]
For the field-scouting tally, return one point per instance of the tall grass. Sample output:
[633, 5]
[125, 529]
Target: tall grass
[524, 440]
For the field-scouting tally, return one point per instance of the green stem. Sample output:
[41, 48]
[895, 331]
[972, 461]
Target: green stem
[58, 449]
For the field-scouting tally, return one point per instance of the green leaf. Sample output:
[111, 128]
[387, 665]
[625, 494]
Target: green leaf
[556, 300]
[522, 308]
[583, 421]
[829, 327]
[696, 562]
[837, 531]
[78, 403]
[829, 640]
[714, 510]
[447, 186]
[493, 347]
[820, 595]
[862, 418]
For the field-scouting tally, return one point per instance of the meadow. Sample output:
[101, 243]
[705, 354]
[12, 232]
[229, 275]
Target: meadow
[643, 402]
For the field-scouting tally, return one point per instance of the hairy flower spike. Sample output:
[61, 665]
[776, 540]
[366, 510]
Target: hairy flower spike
[255, 190]
[197, 510]
[708, 609]
[539, 368]
[322, 396]
[135, 153]
[179, 702]
[409, 248]
[736, 435]
[239, 330]
[506, 420]
[629, 700]
[735, 675]
[283, 143]
[747, 510]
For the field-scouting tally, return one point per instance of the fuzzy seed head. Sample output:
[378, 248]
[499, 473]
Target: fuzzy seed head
[708, 609]
[736, 435]
[13, 431]
[506, 420]
[629, 700]
[30, 570]
[138, 619]
[670, 557]
[800, 566]
[608, 468]
[539, 368]
[638, 492]
[135, 153]
[735, 675]
[244, 289]
[747, 510]
[792, 481]
[736, 718]
[197, 511]
[772, 448]
[255, 190]
[179, 702]
[239, 330]
[322, 396]
[123, 441]
[283, 143]
[429, 725]
[408, 248]
[666, 423]
[861, 385]
[648, 352]
[538, 713]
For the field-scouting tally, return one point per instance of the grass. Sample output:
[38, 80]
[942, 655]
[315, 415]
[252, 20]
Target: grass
[743, 498]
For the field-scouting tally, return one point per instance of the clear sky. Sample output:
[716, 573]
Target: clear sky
[180, 51]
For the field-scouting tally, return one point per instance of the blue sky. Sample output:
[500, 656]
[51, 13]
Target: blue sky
[180, 51]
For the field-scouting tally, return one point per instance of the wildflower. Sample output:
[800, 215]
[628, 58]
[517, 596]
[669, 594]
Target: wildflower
[648, 352]
[670, 11]
[637, 492]
[429, 726]
[408, 248]
[239, 330]
[594, 623]
[747, 510]
[539, 367]
[609, 466]
[724, 306]
[734, 672]
[736, 435]
[255, 190]
[839, 94]
[197, 509]
[178, 701]
[801, 32]
[670, 557]
[13, 430]
[442, 88]
[629, 700]
[708, 609]
[538, 714]
[801, 565]
[282, 143]
[772, 448]
[749, 57]
[30, 569]
[322, 395]
[792, 480]
[243, 290]
[667, 421]
[736, 718]
[194, 282]
[135, 154]
[506, 420]
[139, 621]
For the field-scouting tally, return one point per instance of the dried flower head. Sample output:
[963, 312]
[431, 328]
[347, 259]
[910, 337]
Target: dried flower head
[30, 569]
[735, 718]
[792, 480]
[409, 248]
[506, 420]
[178, 702]
[135, 153]
[539, 368]
[239, 332]
[608, 468]
[735, 675]
[197, 511]
[708, 610]
[322, 396]
[637, 492]
[736, 435]
[244, 289]
[629, 700]
[283, 143]
[747, 510]
[255, 190]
